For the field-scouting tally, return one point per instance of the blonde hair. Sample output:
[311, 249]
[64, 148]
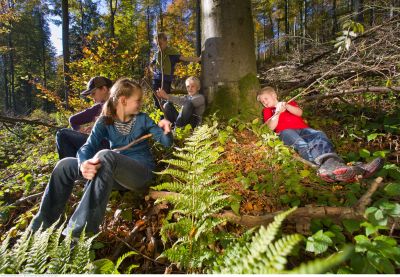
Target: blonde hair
[266, 90]
[123, 87]
[194, 80]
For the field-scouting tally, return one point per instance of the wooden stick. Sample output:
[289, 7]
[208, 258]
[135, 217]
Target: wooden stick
[132, 143]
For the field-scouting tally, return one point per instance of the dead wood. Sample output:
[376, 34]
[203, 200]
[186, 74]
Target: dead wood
[302, 216]
[14, 120]
[352, 91]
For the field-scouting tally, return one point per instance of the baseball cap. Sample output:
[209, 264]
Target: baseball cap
[96, 82]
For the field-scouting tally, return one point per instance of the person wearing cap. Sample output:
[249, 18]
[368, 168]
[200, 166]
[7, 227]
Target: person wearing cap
[69, 141]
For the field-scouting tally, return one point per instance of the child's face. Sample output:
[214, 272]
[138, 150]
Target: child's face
[268, 100]
[192, 88]
[100, 94]
[133, 104]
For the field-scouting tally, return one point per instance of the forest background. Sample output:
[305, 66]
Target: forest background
[341, 56]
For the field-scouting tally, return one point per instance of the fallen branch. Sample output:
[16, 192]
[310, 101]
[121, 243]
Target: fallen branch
[14, 120]
[354, 91]
[302, 216]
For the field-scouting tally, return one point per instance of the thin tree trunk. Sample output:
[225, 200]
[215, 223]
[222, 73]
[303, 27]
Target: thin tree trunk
[334, 15]
[66, 57]
[287, 25]
[160, 15]
[112, 16]
[13, 102]
[149, 36]
[5, 77]
[198, 27]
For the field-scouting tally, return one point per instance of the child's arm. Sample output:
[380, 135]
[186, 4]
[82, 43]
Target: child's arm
[296, 110]
[272, 122]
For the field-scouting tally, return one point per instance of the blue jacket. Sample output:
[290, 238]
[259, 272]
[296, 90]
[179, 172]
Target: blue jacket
[139, 152]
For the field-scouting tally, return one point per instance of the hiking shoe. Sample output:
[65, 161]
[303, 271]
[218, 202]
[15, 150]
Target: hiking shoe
[346, 174]
[333, 169]
[372, 167]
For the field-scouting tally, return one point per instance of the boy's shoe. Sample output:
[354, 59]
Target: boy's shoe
[372, 167]
[333, 169]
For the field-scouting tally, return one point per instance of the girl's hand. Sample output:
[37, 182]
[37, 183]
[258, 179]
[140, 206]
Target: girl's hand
[162, 94]
[165, 125]
[89, 168]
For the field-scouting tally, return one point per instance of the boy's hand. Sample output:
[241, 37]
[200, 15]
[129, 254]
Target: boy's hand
[165, 125]
[281, 107]
[162, 94]
[90, 167]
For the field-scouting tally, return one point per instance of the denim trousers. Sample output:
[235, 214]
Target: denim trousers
[68, 142]
[186, 116]
[309, 143]
[116, 172]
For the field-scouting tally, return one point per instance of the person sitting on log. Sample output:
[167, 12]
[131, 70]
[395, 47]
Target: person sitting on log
[312, 145]
[68, 141]
[121, 123]
[193, 105]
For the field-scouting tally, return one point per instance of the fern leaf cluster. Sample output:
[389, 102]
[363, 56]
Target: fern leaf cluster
[191, 223]
[265, 254]
[43, 253]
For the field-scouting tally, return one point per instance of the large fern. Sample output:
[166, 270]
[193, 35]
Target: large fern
[265, 255]
[42, 252]
[191, 222]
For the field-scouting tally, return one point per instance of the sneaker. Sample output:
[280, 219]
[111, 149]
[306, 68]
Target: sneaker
[346, 174]
[372, 167]
[333, 169]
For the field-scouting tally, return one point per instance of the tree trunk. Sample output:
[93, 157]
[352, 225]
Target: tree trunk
[5, 78]
[358, 10]
[112, 16]
[65, 43]
[13, 102]
[229, 63]
[149, 36]
[198, 27]
[287, 25]
[334, 15]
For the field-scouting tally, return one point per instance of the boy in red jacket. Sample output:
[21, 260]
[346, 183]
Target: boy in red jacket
[313, 145]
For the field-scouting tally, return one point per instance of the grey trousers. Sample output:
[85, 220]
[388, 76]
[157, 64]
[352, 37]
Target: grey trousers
[117, 171]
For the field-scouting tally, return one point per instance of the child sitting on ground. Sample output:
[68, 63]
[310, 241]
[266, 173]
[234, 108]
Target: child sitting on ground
[313, 145]
[193, 105]
[121, 123]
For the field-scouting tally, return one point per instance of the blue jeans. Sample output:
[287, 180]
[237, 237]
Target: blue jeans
[69, 141]
[309, 143]
[186, 116]
[117, 171]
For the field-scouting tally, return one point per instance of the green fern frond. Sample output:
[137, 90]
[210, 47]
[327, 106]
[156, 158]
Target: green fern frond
[199, 197]
[170, 186]
[41, 252]
[320, 266]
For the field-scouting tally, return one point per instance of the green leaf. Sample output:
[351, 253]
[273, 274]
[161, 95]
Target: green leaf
[362, 243]
[318, 243]
[364, 153]
[351, 225]
[392, 189]
[381, 263]
[304, 173]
